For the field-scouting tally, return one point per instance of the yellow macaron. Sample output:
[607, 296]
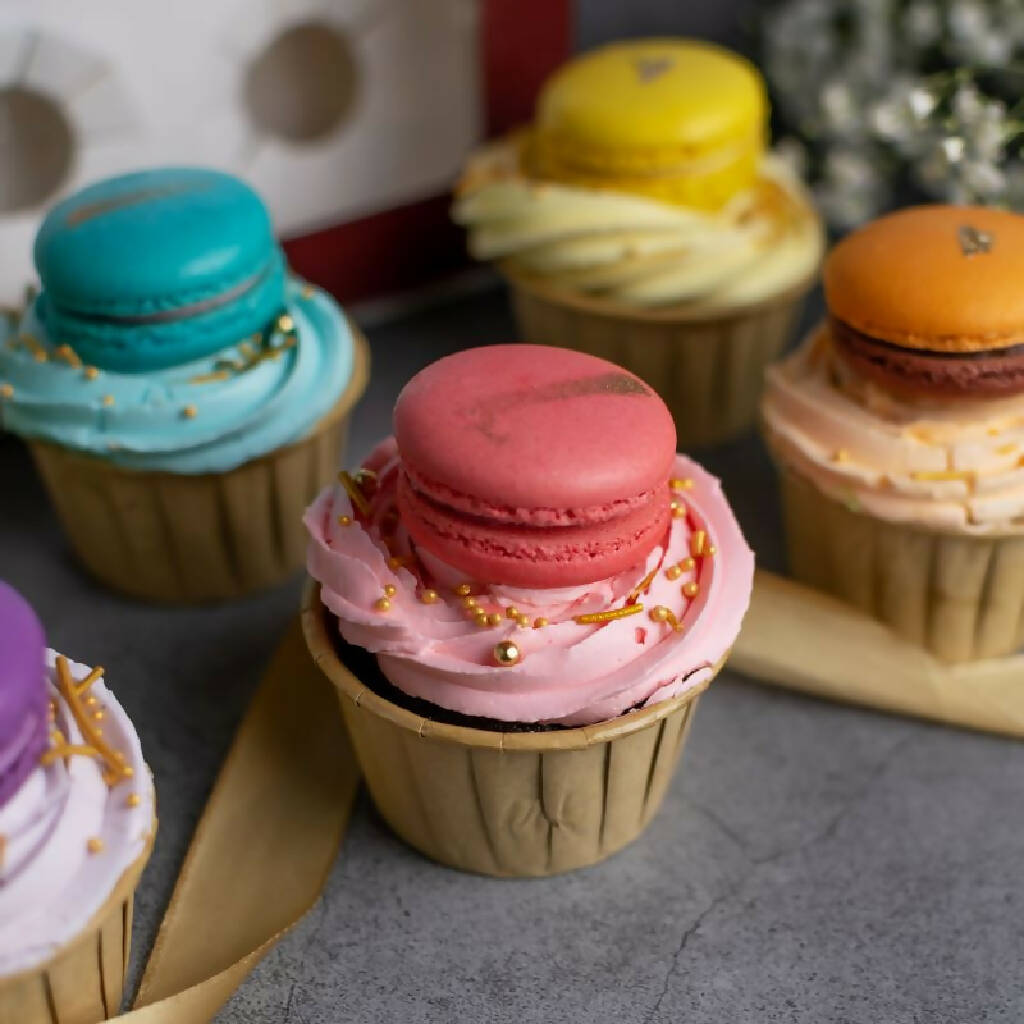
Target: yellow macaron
[674, 119]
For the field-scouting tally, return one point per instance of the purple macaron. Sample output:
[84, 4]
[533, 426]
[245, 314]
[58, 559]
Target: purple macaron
[23, 693]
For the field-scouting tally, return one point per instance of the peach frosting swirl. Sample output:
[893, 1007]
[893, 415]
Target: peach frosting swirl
[402, 605]
[955, 466]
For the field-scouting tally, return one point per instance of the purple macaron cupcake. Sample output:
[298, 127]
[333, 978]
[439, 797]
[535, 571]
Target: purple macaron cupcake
[77, 819]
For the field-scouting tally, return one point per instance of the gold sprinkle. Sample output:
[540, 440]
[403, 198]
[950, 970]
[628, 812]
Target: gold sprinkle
[428, 596]
[712, 550]
[6, 391]
[494, 619]
[680, 483]
[678, 511]
[540, 622]
[687, 564]
[390, 589]
[481, 618]
[464, 589]
[523, 620]
[69, 355]
[943, 474]
[108, 400]
[91, 701]
[344, 520]
[608, 616]
[690, 589]
[132, 800]
[507, 653]
[697, 542]
[285, 323]
[673, 572]
[841, 455]
[396, 562]
[382, 604]
[512, 612]
[94, 845]
[659, 613]
[642, 586]
[99, 715]
[190, 412]
[469, 601]
[90, 373]
[355, 494]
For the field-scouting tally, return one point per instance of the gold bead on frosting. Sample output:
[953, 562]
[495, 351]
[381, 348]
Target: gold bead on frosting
[190, 412]
[94, 845]
[6, 391]
[507, 653]
[690, 589]
[285, 322]
[512, 612]
[382, 604]
[469, 601]
[540, 622]
[673, 572]
[344, 520]
[428, 596]
[390, 589]
[659, 613]
[494, 619]
[108, 400]
[464, 589]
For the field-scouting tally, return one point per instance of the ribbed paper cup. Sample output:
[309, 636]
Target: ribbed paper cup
[198, 537]
[961, 596]
[84, 982]
[709, 368]
[511, 804]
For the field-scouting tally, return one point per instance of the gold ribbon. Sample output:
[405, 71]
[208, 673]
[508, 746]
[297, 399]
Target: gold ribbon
[263, 848]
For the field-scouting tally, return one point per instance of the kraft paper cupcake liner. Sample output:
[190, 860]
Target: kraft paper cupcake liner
[960, 596]
[512, 804]
[708, 368]
[202, 537]
[84, 982]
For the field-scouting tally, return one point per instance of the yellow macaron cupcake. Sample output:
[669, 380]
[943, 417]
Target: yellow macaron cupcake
[641, 218]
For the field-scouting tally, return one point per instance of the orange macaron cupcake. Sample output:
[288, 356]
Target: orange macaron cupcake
[899, 429]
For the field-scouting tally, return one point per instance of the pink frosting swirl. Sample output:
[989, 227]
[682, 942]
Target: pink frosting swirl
[569, 673]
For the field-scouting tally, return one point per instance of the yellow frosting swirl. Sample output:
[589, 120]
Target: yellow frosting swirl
[636, 250]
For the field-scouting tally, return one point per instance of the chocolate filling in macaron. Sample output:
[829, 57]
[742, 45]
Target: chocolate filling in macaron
[985, 374]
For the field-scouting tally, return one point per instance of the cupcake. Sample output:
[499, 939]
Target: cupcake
[183, 396]
[520, 597]
[76, 827]
[898, 428]
[639, 219]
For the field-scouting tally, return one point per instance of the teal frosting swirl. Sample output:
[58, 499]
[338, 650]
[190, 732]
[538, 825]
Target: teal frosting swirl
[206, 416]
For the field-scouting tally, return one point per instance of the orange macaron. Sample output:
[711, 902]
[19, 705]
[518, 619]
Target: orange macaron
[929, 300]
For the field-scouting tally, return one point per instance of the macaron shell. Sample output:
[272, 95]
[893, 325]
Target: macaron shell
[23, 694]
[669, 97]
[517, 556]
[939, 278]
[535, 427]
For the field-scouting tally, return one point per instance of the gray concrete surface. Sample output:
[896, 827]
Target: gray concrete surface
[812, 864]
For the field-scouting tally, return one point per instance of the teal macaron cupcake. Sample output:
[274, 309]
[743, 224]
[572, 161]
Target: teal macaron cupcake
[183, 395]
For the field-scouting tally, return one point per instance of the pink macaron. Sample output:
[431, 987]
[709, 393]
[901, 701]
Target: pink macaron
[533, 466]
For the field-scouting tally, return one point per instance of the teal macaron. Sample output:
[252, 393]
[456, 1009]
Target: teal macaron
[158, 268]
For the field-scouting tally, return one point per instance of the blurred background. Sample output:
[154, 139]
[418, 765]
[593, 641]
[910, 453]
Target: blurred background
[352, 117]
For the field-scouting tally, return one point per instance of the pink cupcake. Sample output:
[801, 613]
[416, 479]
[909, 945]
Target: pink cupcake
[546, 587]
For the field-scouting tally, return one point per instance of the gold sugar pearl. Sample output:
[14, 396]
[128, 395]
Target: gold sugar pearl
[429, 596]
[39, 356]
[190, 412]
[469, 601]
[307, 291]
[94, 845]
[108, 400]
[677, 510]
[132, 800]
[540, 622]
[690, 589]
[91, 373]
[712, 550]
[482, 619]
[512, 612]
[841, 455]
[382, 604]
[507, 653]
[464, 589]
[494, 619]
[659, 613]
[523, 620]
[6, 391]
[99, 715]
[285, 322]
[390, 589]
[673, 572]
[344, 520]
[687, 564]
[396, 562]
[680, 483]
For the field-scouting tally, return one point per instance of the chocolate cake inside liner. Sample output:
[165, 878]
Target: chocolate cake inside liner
[363, 665]
[992, 373]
